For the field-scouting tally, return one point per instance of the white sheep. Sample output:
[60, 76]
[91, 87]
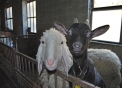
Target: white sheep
[54, 53]
[108, 65]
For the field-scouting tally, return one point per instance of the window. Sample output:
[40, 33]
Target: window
[108, 12]
[9, 18]
[31, 16]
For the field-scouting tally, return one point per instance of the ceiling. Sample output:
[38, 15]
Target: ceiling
[3, 1]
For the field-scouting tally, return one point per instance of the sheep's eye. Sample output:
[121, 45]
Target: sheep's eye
[62, 42]
[42, 42]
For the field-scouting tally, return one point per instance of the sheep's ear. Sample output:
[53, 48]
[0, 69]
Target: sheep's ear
[39, 58]
[67, 58]
[100, 30]
[60, 27]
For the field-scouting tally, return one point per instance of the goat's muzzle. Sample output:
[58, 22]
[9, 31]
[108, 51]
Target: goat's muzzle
[77, 46]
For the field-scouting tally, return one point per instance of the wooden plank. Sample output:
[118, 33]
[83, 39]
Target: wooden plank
[75, 80]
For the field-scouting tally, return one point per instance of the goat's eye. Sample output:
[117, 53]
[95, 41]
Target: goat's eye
[62, 42]
[88, 34]
[42, 42]
[70, 32]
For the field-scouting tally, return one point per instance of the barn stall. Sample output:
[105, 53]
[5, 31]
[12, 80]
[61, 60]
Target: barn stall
[22, 68]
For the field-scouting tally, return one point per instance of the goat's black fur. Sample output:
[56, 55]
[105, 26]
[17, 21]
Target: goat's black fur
[78, 38]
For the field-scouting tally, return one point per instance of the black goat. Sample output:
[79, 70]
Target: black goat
[78, 39]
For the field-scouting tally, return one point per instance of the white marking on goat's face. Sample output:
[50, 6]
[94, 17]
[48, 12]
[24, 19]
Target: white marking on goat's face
[79, 37]
[52, 52]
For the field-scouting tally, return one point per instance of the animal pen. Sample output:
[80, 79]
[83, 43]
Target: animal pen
[22, 68]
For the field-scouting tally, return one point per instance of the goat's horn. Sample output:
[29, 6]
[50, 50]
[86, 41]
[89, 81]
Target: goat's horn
[75, 20]
[87, 22]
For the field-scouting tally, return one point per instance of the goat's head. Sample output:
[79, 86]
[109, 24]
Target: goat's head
[53, 50]
[79, 35]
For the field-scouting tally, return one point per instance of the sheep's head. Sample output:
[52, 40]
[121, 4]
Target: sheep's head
[53, 50]
[79, 36]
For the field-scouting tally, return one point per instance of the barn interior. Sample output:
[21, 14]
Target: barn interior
[28, 19]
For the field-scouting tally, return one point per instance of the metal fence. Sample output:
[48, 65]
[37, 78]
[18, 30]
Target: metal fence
[22, 70]
[12, 41]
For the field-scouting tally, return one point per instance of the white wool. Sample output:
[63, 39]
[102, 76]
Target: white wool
[53, 32]
[50, 82]
[52, 48]
[59, 82]
[108, 65]
[54, 38]
[43, 78]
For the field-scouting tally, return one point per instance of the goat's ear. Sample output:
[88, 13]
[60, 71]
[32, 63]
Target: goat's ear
[60, 27]
[39, 58]
[67, 58]
[100, 30]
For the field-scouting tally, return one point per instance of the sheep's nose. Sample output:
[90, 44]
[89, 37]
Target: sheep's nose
[50, 62]
[77, 45]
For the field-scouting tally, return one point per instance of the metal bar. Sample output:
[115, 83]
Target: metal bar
[55, 76]
[25, 66]
[29, 70]
[20, 67]
[64, 83]
[22, 62]
[33, 71]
